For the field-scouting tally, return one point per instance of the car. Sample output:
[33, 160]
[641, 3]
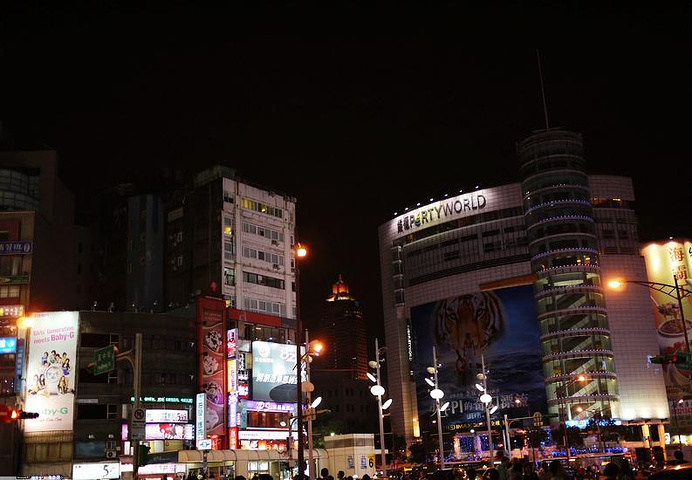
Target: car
[681, 471]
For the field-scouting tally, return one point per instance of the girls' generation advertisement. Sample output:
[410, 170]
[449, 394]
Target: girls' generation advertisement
[498, 327]
[50, 371]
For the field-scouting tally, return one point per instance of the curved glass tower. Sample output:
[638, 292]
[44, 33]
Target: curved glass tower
[575, 337]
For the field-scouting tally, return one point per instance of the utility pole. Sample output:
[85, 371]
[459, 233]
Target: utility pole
[137, 387]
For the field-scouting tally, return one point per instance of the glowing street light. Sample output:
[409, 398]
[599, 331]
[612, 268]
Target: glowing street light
[378, 391]
[299, 253]
[437, 395]
[486, 398]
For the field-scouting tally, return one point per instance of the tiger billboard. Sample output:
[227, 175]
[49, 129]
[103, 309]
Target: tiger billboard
[497, 326]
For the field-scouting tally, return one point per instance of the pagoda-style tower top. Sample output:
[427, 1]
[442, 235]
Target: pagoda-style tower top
[340, 291]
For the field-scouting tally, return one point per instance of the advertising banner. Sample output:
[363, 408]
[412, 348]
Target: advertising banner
[157, 415]
[89, 471]
[274, 371]
[212, 350]
[501, 325]
[169, 431]
[50, 371]
[665, 263]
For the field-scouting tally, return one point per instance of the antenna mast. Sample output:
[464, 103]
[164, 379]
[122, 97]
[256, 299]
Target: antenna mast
[545, 106]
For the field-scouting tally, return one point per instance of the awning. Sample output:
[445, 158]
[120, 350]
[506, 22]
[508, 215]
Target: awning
[195, 456]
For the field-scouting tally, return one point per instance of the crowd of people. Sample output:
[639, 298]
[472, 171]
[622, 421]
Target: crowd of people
[504, 468]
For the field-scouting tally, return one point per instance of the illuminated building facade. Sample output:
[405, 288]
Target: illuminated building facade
[558, 233]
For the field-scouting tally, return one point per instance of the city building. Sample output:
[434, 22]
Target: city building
[44, 262]
[513, 278]
[343, 332]
[238, 235]
[84, 415]
[341, 370]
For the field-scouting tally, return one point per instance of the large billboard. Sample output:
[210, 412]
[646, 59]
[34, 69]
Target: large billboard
[274, 371]
[212, 359]
[499, 327]
[50, 371]
[666, 263]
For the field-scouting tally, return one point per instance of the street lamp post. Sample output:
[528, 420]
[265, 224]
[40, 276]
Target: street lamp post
[680, 293]
[311, 348]
[437, 395]
[378, 390]
[486, 399]
[560, 394]
[299, 253]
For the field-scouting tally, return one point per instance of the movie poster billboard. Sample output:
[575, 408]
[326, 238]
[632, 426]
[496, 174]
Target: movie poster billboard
[50, 371]
[274, 371]
[212, 352]
[500, 326]
[666, 263]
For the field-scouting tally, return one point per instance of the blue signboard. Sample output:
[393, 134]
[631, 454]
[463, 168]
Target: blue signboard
[19, 366]
[8, 344]
[15, 248]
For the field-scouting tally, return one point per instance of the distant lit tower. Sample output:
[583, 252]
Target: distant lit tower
[565, 258]
[344, 333]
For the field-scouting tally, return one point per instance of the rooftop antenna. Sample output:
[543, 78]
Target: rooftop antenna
[545, 106]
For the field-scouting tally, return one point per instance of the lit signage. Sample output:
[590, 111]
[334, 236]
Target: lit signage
[169, 431]
[588, 421]
[19, 366]
[87, 471]
[231, 342]
[164, 400]
[262, 435]
[8, 344]
[12, 311]
[273, 371]
[15, 248]
[233, 437]
[259, 406]
[442, 211]
[232, 376]
[50, 371]
[166, 416]
[199, 417]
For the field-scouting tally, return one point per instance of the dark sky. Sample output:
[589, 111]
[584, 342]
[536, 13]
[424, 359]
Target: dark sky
[356, 110]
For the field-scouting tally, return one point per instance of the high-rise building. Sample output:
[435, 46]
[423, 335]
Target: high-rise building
[341, 371]
[344, 333]
[234, 234]
[512, 276]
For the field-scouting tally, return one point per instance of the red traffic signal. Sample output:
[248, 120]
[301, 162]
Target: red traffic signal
[22, 415]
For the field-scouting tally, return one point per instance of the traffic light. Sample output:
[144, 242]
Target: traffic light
[143, 454]
[9, 415]
[20, 415]
[677, 358]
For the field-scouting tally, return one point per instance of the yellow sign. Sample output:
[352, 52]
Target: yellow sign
[371, 462]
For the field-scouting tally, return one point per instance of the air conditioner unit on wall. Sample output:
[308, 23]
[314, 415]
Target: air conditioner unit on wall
[111, 454]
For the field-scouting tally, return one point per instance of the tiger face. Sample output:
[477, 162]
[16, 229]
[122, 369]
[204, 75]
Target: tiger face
[476, 317]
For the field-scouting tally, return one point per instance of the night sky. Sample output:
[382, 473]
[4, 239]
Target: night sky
[358, 111]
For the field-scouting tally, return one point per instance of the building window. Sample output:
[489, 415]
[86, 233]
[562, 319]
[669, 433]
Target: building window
[229, 276]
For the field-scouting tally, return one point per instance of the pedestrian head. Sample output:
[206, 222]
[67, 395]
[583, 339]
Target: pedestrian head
[611, 471]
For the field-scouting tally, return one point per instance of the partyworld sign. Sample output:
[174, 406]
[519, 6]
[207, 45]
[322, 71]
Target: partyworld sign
[441, 211]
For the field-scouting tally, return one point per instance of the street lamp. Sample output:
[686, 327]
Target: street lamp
[299, 253]
[486, 398]
[311, 349]
[560, 392]
[437, 395]
[680, 293]
[378, 390]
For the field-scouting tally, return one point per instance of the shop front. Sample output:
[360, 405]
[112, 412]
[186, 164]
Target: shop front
[230, 463]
